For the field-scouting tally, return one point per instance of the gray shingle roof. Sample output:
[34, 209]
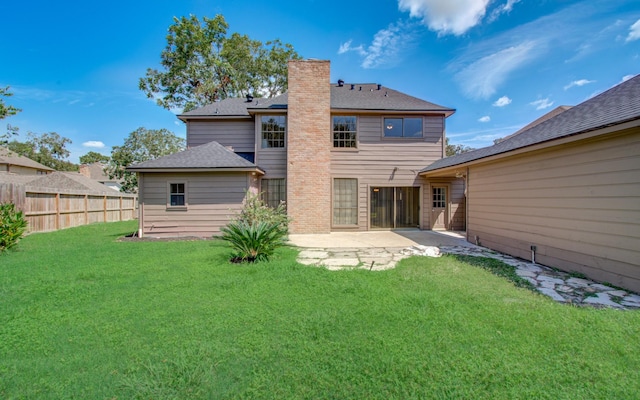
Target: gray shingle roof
[363, 96]
[211, 155]
[10, 157]
[615, 106]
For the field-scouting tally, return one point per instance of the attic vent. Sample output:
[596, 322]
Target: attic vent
[353, 86]
[360, 88]
[340, 83]
[379, 86]
[249, 98]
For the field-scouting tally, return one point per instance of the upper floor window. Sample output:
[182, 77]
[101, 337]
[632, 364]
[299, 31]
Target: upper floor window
[273, 129]
[344, 131]
[403, 127]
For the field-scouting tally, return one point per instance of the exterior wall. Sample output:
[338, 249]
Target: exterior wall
[380, 161]
[273, 161]
[239, 134]
[577, 203]
[20, 170]
[212, 199]
[308, 153]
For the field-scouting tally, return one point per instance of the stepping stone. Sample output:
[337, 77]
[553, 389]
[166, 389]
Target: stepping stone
[602, 299]
[313, 254]
[632, 298]
[618, 293]
[547, 280]
[578, 282]
[341, 262]
[552, 293]
[604, 288]
[310, 261]
[525, 274]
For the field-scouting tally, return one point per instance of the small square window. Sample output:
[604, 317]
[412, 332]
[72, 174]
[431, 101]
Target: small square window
[177, 194]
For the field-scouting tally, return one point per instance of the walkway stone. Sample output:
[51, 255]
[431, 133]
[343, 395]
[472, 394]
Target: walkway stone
[560, 286]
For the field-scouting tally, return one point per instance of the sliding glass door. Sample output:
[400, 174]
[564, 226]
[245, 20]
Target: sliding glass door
[394, 207]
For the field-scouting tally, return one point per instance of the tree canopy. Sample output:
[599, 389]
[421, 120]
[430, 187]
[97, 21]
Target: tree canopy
[453, 149]
[201, 64]
[93, 157]
[141, 145]
[48, 149]
[7, 111]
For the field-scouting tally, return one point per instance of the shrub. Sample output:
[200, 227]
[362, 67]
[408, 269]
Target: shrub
[12, 226]
[253, 241]
[257, 230]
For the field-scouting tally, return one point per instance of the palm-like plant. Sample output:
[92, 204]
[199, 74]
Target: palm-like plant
[254, 241]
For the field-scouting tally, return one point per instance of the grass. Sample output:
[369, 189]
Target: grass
[85, 316]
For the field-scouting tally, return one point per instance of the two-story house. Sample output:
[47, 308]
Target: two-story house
[342, 156]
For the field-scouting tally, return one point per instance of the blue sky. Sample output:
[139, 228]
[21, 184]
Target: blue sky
[74, 66]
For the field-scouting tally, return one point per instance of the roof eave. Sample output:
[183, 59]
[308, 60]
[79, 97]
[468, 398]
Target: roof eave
[185, 118]
[574, 137]
[190, 169]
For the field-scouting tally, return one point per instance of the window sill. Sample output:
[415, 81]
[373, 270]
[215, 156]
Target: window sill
[345, 149]
[176, 208]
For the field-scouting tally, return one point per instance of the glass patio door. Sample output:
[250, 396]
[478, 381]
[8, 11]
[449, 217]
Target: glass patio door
[395, 207]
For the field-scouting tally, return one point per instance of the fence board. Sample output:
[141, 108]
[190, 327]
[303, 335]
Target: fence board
[50, 209]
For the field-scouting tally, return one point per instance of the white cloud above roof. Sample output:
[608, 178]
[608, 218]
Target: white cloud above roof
[486, 118]
[447, 16]
[634, 32]
[579, 82]
[541, 104]
[502, 101]
[385, 48]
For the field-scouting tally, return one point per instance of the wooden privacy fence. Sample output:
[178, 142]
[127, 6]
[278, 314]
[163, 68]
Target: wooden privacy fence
[53, 209]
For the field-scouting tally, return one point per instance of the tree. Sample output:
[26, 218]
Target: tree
[93, 157]
[48, 149]
[201, 64]
[141, 145]
[7, 111]
[453, 149]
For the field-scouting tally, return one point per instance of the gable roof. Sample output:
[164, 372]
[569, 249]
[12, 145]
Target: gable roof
[360, 96]
[617, 105]
[209, 156]
[12, 158]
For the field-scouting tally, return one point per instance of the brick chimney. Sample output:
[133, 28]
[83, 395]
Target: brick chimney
[308, 142]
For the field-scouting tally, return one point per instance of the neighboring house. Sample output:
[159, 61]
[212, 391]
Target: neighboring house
[95, 171]
[343, 156]
[12, 162]
[565, 191]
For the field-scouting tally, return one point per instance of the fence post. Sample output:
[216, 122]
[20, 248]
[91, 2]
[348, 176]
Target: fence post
[86, 209]
[104, 207]
[57, 211]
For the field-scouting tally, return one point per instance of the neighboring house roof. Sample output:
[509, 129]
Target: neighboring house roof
[96, 172]
[361, 96]
[209, 156]
[617, 105]
[12, 158]
[60, 181]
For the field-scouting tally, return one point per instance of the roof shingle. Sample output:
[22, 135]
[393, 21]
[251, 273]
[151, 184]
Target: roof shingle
[211, 155]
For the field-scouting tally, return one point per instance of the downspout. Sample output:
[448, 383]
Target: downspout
[466, 203]
[140, 206]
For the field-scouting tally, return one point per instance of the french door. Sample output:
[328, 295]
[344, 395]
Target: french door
[394, 207]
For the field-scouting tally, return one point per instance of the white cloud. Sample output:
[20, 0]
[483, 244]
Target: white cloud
[579, 82]
[447, 16]
[346, 47]
[94, 144]
[385, 47]
[626, 78]
[503, 9]
[634, 32]
[481, 78]
[542, 104]
[486, 118]
[502, 101]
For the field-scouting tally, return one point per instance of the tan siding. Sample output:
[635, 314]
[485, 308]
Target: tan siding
[578, 203]
[238, 134]
[212, 199]
[273, 162]
[381, 161]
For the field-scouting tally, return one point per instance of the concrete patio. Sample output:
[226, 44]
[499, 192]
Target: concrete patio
[380, 239]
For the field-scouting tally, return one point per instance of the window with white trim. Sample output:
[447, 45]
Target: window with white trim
[177, 195]
[344, 131]
[272, 130]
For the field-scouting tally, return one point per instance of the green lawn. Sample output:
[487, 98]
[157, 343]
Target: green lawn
[84, 316]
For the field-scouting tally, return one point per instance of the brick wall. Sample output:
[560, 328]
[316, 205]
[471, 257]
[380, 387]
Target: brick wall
[308, 150]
